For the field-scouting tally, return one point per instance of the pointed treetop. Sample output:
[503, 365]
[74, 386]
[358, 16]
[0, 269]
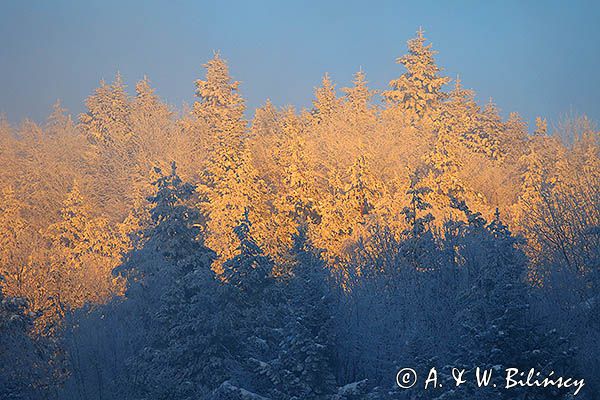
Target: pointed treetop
[420, 87]
[118, 81]
[218, 89]
[58, 108]
[359, 95]
[457, 83]
[265, 119]
[514, 117]
[461, 95]
[243, 229]
[497, 227]
[360, 78]
[75, 192]
[326, 81]
[59, 119]
[143, 88]
[541, 126]
[491, 109]
[219, 103]
[325, 99]
[268, 104]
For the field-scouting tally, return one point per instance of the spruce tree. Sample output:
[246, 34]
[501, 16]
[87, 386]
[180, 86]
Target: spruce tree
[308, 349]
[174, 291]
[489, 133]
[230, 184]
[26, 369]
[419, 90]
[347, 210]
[82, 252]
[326, 103]
[498, 331]
[106, 121]
[252, 312]
[358, 98]
[107, 127]
[153, 133]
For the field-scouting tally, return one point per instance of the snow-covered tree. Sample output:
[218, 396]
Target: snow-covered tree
[26, 361]
[497, 328]
[419, 90]
[305, 362]
[326, 103]
[107, 127]
[78, 262]
[14, 235]
[230, 184]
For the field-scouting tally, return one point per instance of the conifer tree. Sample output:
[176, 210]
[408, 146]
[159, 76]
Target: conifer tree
[442, 174]
[541, 127]
[497, 329]
[174, 287]
[534, 210]
[174, 224]
[106, 121]
[171, 233]
[308, 351]
[13, 244]
[298, 177]
[230, 183]
[249, 271]
[252, 312]
[490, 131]
[265, 121]
[265, 144]
[514, 138]
[326, 102]
[82, 253]
[419, 90]
[359, 116]
[59, 122]
[417, 237]
[107, 126]
[348, 209]
[358, 97]
[221, 105]
[151, 124]
[304, 366]
[25, 361]
[459, 115]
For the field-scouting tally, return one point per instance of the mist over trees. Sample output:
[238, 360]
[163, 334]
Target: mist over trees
[154, 253]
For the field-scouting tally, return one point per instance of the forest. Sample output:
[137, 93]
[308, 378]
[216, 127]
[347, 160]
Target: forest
[149, 252]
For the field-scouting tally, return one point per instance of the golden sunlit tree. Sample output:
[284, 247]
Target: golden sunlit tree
[419, 90]
[230, 184]
[347, 211]
[15, 241]
[77, 264]
[107, 126]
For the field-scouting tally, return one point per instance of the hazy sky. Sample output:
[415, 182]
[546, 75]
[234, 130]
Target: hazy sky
[534, 57]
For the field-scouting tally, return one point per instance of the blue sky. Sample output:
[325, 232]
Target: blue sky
[534, 57]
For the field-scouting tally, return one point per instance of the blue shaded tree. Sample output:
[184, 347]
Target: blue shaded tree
[305, 364]
[497, 328]
[26, 364]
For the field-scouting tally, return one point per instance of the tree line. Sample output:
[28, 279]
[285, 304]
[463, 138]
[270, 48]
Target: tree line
[149, 253]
